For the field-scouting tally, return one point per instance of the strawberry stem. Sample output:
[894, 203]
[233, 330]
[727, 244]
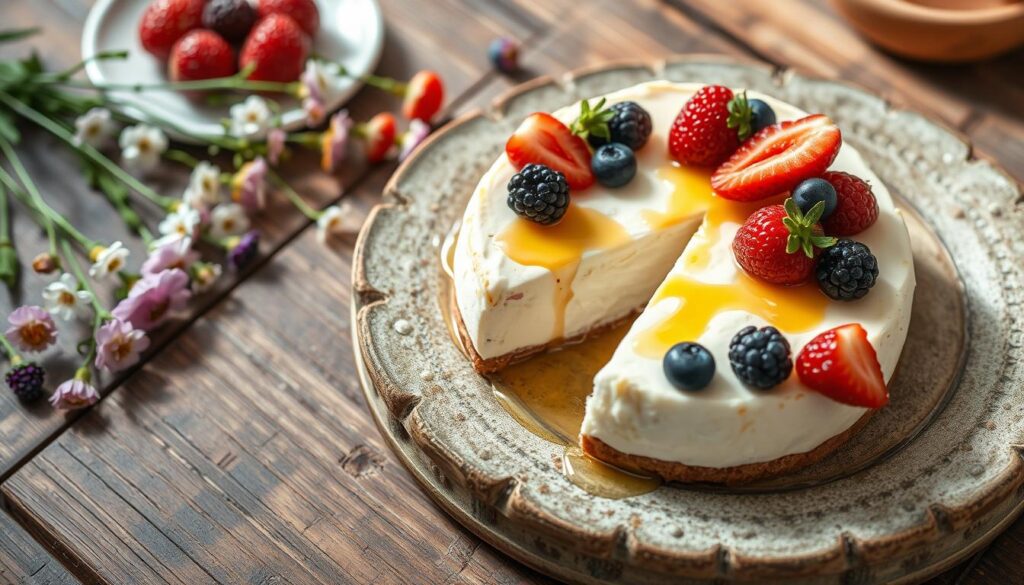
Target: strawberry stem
[804, 232]
[740, 115]
[592, 120]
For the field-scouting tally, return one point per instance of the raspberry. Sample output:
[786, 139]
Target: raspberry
[856, 207]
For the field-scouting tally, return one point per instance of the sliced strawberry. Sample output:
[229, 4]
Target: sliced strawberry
[841, 364]
[380, 136]
[544, 140]
[423, 96]
[778, 158]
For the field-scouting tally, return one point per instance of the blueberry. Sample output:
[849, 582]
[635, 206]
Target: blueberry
[761, 115]
[812, 191]
[613, 164]
[689, 366]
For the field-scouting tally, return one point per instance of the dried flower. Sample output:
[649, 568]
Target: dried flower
[32, 328]
[75, 393]
[176, 254]
[141, 147]
[182, 223]
[203, 187]
[108, 261]
[249, 185]
[45, 263]
[26, 380]
[242, 250]
[64, 300]
[94, 128]
[275, 145]
[314, 110]
[417, 133]
[504, 54]
[334, 142]
[228, 219]
[118, 345]
[204, 275]
[251, 118]
[331, 221]
[154, 298]
[321, 86]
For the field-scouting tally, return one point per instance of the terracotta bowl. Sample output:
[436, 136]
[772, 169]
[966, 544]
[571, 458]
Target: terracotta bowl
[931, 33]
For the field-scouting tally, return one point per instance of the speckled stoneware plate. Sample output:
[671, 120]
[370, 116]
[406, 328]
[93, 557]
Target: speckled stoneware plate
[930, 479]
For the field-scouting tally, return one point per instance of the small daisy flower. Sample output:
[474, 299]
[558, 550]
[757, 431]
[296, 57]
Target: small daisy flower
[32, 328]
[118, 345]
[181, 223]
[203, 187]
[154, 298]
[249, 185]
[108, 261]
[332, 221]
[334, 142]
[176, 254]
[64, 300]
[204, 275]
[26, 380]
[243, 250]
[418, 132]
[251, 118]
[228, 219]
[275, 145]
[94, 128]
[74, 394]
[141, 147]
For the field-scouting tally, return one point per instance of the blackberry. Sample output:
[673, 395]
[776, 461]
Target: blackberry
[232, 19]
[538, 194]
[630, 125]
[760, 357]
[26, 381]
[846, 271]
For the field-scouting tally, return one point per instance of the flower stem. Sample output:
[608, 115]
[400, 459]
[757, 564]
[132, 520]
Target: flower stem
[234, 82]
[45, 215]
[12, 354]
[182, 157]
[8, 255]
[67, 73]
[69, 255]
[30, 186]
[294, 197]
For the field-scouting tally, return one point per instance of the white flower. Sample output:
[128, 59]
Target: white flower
[141, 147]
[182, 223]
[331, 222]
[204, 277]
[321, 81]
[109, 261]
[251, 118]
[228, 219]
[64, 300]
[203, 187]
[94, 127]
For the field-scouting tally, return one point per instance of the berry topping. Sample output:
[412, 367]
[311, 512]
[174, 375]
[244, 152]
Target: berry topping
[778, 158]
[761, 116]
[542, 139]
[201, 54]
[856, 207]
[423, 96]
[613, 164]
[380, 136]
[701, 134]
[231, 19]
[592, 121]
[303, 12]
[276, 50]
[630, 124]
[847, 271]
[26, 381]
[841, 364]
[504, 54]
[539, 194]
[689, 366]
[777, 243]
[760, 357]
[166, 21]
[811, 191]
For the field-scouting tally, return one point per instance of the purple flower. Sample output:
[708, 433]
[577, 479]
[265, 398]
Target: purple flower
[118, 345]
[73, 394]
[32, 328]
[504, 54]
[176, 254]
[248, 186]
[275, 145]
[242, 250]
[26, 381]
[334, 142]
[418, 132]
[154, 298]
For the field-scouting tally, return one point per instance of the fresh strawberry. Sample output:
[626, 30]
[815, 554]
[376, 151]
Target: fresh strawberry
[841, 364]
[856, 207]
[542, 139]
[778, 158]
[701, 134]
[303, 11]
[165, 21]
[380, 136]
[778, 243]
[276, 49]
[423, 96]
[201, 54]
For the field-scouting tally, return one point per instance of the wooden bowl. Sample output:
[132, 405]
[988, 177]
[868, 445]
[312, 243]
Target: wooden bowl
[930, 33]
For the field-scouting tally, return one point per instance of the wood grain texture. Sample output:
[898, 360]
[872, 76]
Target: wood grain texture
[23, 560]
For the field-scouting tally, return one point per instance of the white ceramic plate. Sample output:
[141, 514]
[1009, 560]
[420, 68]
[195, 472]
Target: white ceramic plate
[351, 33]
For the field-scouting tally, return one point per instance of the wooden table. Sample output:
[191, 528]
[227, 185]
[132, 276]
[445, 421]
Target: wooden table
[242, 450]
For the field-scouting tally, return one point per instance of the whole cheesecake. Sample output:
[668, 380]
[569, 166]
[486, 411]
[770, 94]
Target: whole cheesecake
[662, 244]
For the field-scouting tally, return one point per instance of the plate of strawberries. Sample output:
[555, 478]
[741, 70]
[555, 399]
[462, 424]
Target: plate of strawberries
[173, 43]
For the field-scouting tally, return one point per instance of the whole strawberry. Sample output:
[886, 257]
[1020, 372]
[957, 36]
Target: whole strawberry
[778, 243]
[201, 54]
[276, 50]
[701, 134]
[423, 96]
[303, 11]
[380, 134]
[856, 207]
[165, 21]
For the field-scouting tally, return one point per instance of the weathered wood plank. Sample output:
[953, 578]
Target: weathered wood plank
[23, 560]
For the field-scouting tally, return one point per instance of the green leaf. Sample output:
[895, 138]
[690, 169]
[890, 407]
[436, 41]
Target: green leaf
[814, 215]
[8, 131]
[793, 210]
[824, 241]
[740, 115]
[16, 34]
[792, 243]
[593, 120]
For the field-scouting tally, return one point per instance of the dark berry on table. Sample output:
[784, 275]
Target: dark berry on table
[504, 54]
[811, 191]
[613, 164]
[630, 125]
[689, 366]
[847, 271]
[539, 194]
[233, 19]
[760, 357]
[761, 115]
[26, 381]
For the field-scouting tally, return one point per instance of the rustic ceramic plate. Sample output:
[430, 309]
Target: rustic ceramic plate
[930, 479]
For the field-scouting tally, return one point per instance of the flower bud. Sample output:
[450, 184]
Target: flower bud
[45, 263]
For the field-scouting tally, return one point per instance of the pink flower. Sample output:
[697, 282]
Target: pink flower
[314, 110]
[32, 328]
[418, 132]
[154, 298]
[275, 145]
[118, 345]
[74, 394]
[248, 186]
[334, 143]
[176, 254]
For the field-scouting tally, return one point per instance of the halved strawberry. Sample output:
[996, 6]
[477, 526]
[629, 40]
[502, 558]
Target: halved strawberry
[542, 139]
[841, 364]
[778, 158]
